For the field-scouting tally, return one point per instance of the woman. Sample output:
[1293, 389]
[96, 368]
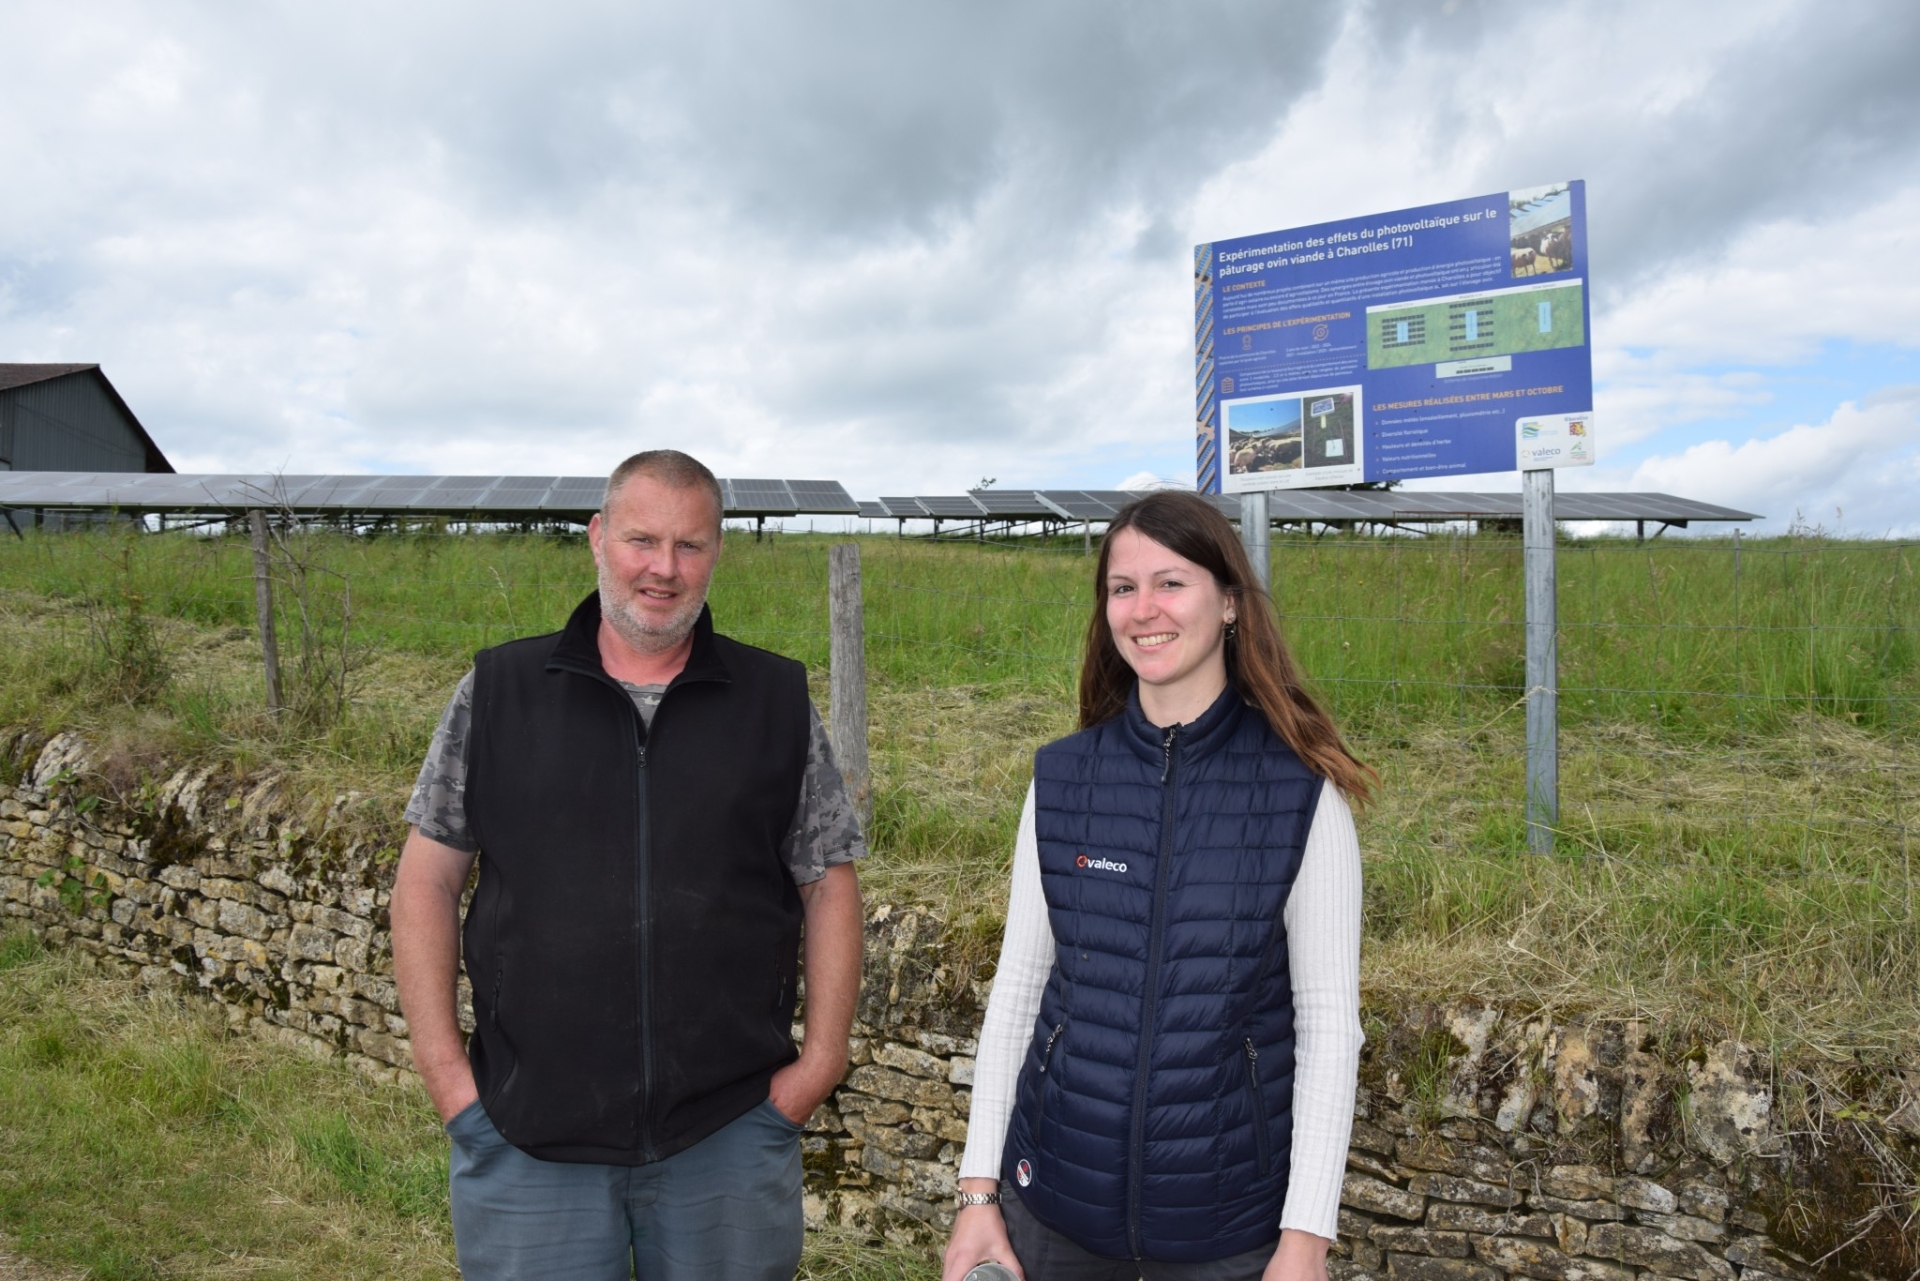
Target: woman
[1166, 1072]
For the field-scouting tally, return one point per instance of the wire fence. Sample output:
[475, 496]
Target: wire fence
[1710, 690]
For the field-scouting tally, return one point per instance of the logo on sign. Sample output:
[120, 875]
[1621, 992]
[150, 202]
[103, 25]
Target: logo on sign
[1099, 864]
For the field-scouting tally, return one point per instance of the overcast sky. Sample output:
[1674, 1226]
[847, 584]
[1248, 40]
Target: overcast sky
[911, 247]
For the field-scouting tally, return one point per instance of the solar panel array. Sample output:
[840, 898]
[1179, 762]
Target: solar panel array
[576, 497]
[1330, 505]
[562, 497]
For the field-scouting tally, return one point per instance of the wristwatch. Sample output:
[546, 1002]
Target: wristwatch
[961, 1200]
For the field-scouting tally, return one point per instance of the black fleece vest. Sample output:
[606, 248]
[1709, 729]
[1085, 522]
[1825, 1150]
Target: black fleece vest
[633, 941]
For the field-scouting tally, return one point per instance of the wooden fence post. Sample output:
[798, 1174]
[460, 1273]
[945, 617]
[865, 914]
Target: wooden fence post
[846, 616]
[263, 608]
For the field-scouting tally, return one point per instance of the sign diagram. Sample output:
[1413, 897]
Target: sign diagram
[1397, 345]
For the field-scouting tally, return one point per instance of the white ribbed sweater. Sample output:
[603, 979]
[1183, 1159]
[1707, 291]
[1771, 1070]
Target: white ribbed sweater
[1323, 945]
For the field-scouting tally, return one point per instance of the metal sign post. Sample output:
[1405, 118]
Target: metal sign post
[1543, 660]
[1256, 535]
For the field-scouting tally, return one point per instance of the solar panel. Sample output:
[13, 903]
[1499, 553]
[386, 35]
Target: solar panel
[393, 491]
[760, 498]
[336, 493]
[1447, 504]
[456, 493]
[908, 507]
[823, 497]
[952, 507]
[1330, 504]
[1012, 504]
[520, 493]
[228, 493]
[874, 510]
[1616, 506]
[577, 494]
[1078, 504]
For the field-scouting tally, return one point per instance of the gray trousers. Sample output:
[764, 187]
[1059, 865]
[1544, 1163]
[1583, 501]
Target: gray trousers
[1045, 1255]
[726, 1209]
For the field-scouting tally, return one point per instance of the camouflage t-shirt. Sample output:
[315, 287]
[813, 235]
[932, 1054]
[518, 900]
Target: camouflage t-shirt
[825, 830]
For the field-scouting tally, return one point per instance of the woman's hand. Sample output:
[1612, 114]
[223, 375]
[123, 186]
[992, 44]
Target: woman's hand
[1300, 1256]
[979, 1234]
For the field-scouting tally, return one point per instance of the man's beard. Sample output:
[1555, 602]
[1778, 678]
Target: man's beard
[646, 635]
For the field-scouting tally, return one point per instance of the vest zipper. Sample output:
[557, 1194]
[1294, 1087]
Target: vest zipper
[1046, 1057]
[643, 940]
[1136, 1147]
[1046, 1054]
[1261, 1144]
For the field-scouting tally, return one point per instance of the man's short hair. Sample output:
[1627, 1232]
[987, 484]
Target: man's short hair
[671, 468]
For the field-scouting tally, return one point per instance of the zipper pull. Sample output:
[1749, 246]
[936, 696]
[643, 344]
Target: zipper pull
[1253, 1055]
[1046, 1054]
[1166, 771]
[643, 756]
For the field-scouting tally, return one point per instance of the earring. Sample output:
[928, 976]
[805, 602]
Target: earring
[1233, 628]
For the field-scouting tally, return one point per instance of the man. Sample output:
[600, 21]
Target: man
[656, 813]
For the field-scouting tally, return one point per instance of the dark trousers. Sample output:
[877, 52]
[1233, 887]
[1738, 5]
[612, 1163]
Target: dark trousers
[1047, 1256]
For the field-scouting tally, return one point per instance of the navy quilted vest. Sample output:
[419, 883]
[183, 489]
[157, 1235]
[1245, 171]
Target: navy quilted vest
[1154, 1110]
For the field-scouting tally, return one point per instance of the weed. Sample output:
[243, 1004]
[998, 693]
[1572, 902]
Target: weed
[18, 947]
[1426, 1071]
[76, 888]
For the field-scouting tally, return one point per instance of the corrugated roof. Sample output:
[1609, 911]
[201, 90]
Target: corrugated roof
[12, 376]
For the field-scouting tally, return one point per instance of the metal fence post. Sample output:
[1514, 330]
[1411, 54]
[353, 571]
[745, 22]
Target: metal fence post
[1543, 659]
[846, 614]
[1256, 535]
[263, 608]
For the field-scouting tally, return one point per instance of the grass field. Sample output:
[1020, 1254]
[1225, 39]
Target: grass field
[139, 1140]
[1739, 779]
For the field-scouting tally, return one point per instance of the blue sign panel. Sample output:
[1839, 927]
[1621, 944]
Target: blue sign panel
[1390, 347]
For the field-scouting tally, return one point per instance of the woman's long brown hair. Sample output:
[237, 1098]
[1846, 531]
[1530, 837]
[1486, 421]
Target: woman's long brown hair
[1258, 662]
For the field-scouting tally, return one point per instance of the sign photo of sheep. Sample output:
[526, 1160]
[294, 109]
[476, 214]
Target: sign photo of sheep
[1393, 346]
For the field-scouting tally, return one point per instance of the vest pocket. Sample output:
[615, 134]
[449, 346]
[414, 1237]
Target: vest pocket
[1262, 1144]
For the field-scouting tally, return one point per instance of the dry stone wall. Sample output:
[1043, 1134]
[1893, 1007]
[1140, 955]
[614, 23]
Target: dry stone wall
[1486, 1144]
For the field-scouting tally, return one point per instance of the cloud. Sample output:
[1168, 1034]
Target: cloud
[904, 247]
[1858, 471]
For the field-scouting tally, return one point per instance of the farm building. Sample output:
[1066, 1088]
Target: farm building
[68, 418]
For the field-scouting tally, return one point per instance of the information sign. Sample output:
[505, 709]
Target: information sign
[1404, 344]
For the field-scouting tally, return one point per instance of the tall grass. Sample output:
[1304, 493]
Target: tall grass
[1739, 723]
